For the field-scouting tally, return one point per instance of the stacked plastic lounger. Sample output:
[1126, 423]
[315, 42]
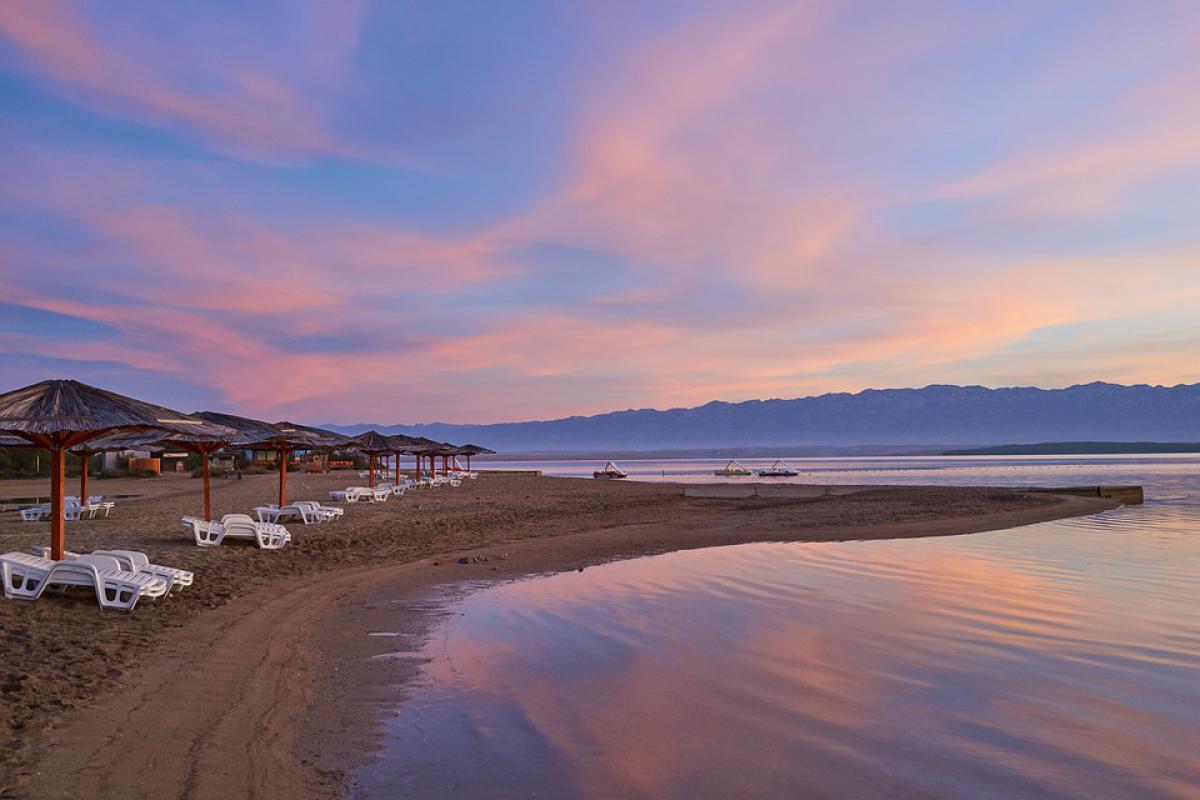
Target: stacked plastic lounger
[132, 561]
[26, 577]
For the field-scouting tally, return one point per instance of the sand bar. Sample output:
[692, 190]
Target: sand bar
[255, 681]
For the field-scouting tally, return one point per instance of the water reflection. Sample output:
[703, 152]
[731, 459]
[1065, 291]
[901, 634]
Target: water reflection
[1058, 660]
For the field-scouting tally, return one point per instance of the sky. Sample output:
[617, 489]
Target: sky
[354, 211]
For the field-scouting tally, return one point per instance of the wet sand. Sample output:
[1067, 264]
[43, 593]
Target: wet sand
[257, 681]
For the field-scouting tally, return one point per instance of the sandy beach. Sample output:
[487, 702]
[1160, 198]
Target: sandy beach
[257, 682]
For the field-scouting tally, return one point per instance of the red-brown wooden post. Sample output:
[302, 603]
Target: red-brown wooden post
[204, 475]
[58, 477]
[283, 459]
[371, 476]
[83, 476]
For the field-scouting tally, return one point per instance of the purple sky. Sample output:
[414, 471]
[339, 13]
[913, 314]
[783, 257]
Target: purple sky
[472, 212]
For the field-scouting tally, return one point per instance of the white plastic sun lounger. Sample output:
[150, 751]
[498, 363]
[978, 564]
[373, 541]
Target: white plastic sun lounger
[104, 505]
[26, 577]
[72, 504]
[293, 511]
[72, 512]
[323, 513]
[267, 535]
[133, 561]
[308, 511]
[35, 513]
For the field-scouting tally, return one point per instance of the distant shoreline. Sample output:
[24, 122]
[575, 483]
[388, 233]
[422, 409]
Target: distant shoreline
[1080, 449]
[866, 451]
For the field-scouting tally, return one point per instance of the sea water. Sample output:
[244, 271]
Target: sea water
[1054, 660]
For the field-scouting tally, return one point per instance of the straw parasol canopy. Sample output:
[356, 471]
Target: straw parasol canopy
[60, 414]
[445, 451]
[282, 437]
[469, 450]
[374, 444]
[418, 446]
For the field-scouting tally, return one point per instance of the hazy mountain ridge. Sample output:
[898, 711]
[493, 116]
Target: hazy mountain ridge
[947, 415]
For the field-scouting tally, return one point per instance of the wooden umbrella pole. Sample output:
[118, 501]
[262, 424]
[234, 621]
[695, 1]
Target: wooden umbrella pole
[397, 467]
[83, 476]
[58, 476]
[204, 475]
[283, 459]
[371, 467]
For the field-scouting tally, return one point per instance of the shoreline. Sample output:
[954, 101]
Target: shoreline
[264, 694]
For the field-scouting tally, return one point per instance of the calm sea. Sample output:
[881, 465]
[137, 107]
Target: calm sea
[1057, 660]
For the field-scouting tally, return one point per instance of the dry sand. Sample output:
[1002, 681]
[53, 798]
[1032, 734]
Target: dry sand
[251, 682]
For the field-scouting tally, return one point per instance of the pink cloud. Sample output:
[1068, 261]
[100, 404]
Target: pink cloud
[229, 96]
[686, 166]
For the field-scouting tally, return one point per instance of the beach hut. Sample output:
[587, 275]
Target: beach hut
[60, 414]
[374, 444]
[282, 437]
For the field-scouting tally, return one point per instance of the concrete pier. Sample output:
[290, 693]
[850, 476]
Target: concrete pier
[1128, 495]
[775, 491]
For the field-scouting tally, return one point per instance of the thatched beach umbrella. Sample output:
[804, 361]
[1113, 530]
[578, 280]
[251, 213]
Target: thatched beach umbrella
[410, 445]
[427, 448]
[281, 437]
[374, 444]
[442, 450]
[202, 442]
[58, 415]
[469, 450]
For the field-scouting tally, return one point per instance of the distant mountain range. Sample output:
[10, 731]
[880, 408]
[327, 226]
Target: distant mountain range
[948, 416]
